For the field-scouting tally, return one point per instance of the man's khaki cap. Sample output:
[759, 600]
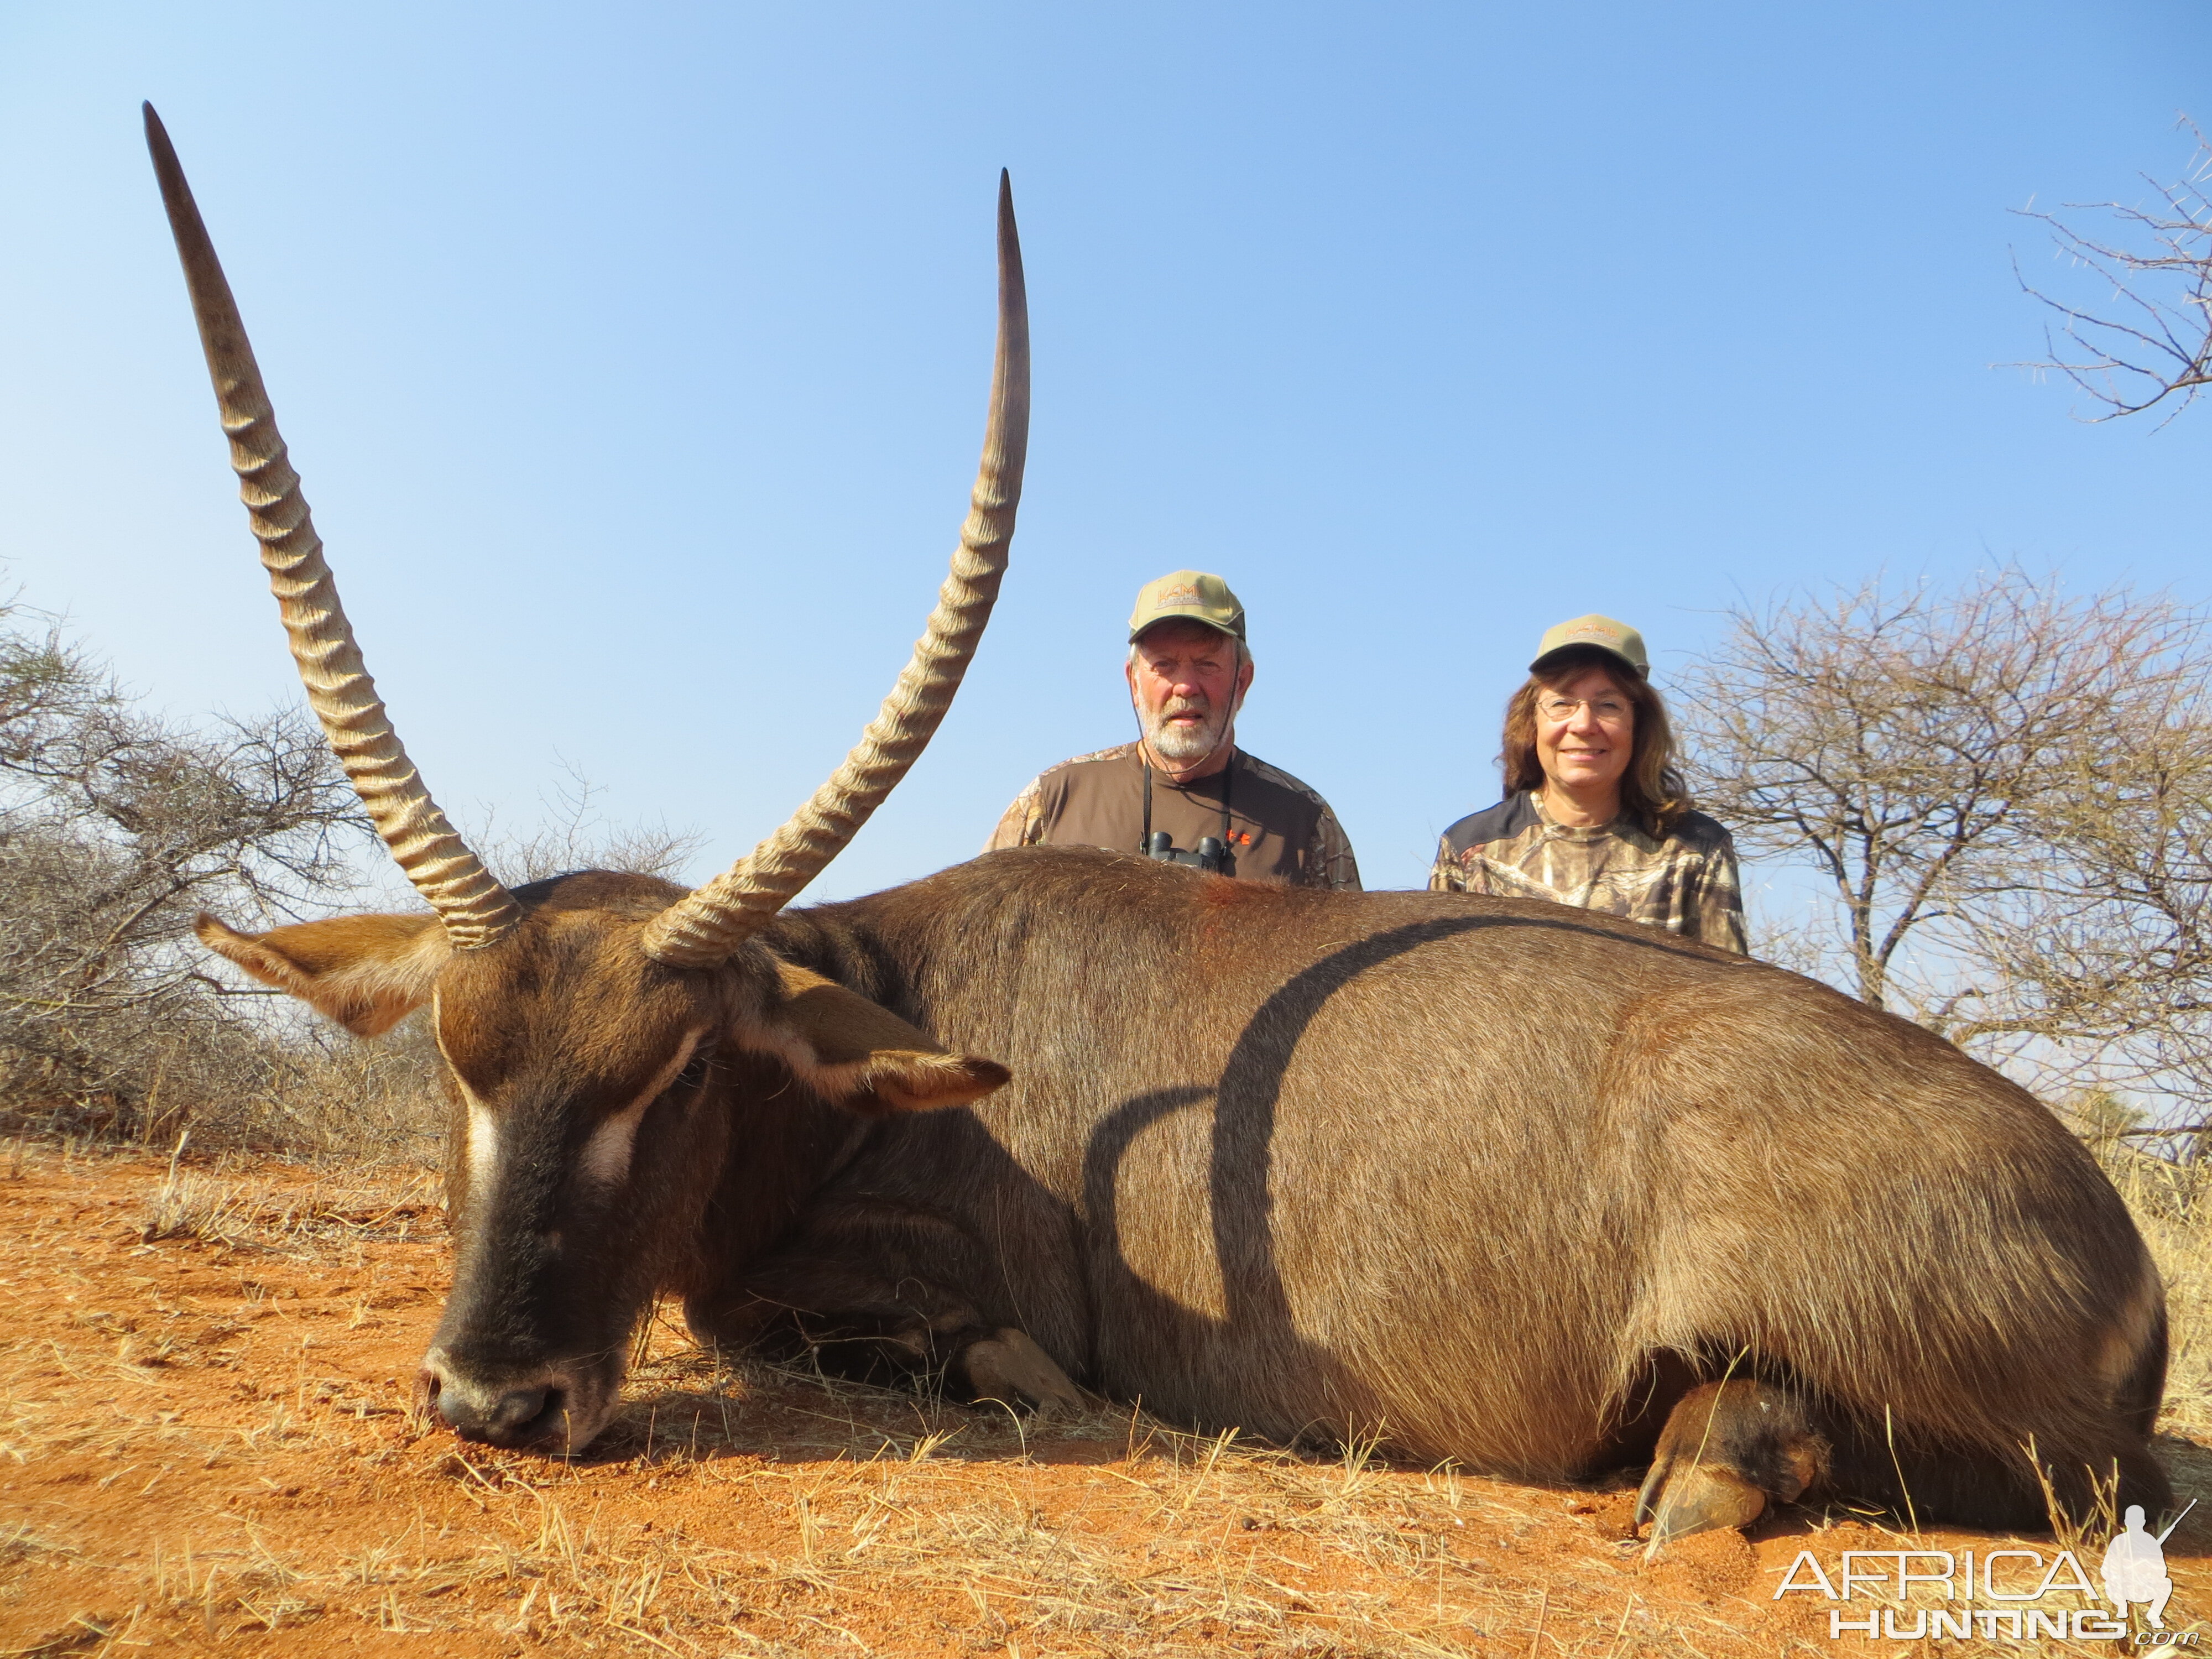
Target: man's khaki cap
[1187, 596]
[1616, 638]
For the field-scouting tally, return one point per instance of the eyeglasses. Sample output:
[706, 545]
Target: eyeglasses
[1608, 711]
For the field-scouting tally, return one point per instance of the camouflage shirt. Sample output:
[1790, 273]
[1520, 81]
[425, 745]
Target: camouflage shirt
[1278, 829]
[1684, 883]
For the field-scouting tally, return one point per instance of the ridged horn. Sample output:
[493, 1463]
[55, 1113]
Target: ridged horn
[451, 879]
[704, 927]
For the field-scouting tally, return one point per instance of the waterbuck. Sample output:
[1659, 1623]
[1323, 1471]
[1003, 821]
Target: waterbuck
[1514, 1184]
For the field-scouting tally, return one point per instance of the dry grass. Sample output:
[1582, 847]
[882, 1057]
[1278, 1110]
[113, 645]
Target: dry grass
[244, 1211]
[205, 1438]
[2173, 1205]
[290, 1084]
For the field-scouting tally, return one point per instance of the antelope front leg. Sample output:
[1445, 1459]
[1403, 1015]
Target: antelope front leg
[951, 1350]
[1007, 1366]
[879, 1328]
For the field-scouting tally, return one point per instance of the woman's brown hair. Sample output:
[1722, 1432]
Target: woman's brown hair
[1652, 792]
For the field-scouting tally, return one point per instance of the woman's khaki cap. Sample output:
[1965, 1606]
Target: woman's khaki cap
[1616, 638]
[1189, 596]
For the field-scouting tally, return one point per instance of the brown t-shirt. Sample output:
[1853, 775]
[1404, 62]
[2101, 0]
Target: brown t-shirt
[1278, 829]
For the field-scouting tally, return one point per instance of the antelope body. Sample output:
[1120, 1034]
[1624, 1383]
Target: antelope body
[1516, 1184]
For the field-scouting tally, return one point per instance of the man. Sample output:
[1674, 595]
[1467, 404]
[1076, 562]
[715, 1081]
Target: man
[1184, 791]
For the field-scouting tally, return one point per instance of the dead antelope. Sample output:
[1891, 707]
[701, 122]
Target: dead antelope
[1516, 1184]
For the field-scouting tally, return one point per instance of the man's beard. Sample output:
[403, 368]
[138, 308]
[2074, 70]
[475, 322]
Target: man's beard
[1184, 745]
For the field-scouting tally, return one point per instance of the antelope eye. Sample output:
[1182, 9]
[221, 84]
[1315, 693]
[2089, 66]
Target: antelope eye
[694, 1069]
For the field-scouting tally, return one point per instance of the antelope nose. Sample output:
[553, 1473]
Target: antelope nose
[503, 1420]
[499, 1417]
[511, 1411]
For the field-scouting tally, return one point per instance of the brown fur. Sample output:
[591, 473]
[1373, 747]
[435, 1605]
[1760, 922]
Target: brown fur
[1506, 1179]
[1230, 894]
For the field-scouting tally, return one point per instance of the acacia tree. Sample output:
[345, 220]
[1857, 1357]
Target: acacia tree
[2150, 337]
[115, 828]
[2105, 950]
[1951, 764]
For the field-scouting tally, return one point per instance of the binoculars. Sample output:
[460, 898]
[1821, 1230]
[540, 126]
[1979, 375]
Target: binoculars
[1211, 855]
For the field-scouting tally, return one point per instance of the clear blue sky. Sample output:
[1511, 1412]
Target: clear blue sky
[635, 358]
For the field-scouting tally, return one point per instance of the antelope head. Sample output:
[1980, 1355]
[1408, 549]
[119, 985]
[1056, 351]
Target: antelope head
[580, 1020]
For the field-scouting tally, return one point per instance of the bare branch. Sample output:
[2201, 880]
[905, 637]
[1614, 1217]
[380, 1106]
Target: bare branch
[2006, 792]
[115, 828]
[2151, 339]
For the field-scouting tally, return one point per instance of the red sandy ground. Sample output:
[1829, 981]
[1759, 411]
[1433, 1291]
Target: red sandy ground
[205, 1444]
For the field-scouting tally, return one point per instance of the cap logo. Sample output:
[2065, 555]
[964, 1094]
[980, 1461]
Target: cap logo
[1183, 595]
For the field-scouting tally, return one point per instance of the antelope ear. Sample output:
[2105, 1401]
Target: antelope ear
[862, 1056]
[367, 972]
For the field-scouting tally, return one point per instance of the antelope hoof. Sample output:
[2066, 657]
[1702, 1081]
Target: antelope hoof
[1695, 1499]
[1728, 1450]
[1009, 1367]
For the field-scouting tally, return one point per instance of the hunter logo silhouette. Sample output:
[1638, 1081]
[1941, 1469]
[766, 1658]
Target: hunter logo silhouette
[2135, 1567]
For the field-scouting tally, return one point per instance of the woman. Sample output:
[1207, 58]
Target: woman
[1594, 813]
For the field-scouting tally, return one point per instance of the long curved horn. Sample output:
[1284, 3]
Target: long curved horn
[704, 927]
[474, 907]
